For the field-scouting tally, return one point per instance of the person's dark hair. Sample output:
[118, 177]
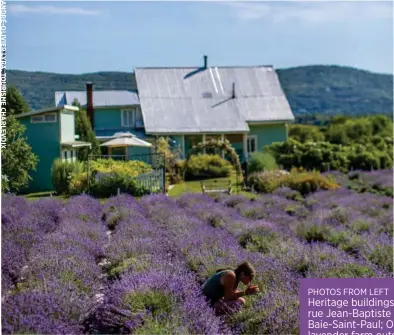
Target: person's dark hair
[245, 267]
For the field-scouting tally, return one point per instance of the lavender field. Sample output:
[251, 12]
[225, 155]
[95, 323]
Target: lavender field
[135, 266]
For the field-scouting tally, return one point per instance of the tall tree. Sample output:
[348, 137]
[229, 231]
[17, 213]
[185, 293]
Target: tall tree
[17, 158]
[83, 128]
[15, 102]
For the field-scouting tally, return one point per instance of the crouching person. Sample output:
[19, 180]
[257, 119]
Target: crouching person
[222, 288]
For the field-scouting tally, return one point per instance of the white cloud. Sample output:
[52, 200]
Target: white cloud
[311, 11]
[13, 8]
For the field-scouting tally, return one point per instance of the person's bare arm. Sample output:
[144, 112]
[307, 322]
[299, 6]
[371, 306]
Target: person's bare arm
[229, 292]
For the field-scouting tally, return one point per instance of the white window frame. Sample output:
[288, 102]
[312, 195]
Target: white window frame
[122, 116]
[248, 146]
[42, 118]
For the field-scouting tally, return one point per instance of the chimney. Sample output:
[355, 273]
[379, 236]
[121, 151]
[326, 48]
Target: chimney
[233, 95]
[89, 102]
[205, 62]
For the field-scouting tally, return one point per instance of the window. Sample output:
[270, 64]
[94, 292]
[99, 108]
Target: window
[132, 118]
[65, 154]
[46, 118]
[72, 155]
[50, 117]
[128, 118]
[37, 119]
[252, 144]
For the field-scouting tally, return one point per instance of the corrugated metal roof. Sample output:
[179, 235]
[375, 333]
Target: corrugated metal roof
[200, 100]
[100, 98]
[191, 116]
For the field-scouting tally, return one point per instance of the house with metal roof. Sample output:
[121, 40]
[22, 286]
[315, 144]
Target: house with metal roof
[110, 112]
[51, 134]
[243, 104]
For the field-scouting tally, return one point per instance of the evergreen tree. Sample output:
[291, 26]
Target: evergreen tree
[15, 102]
[83, 128]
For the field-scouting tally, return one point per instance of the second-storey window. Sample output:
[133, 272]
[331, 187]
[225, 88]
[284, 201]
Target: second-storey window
[128, 118]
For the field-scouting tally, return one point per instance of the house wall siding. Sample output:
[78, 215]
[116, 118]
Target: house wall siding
[67, 126]
[109, 121]
[44, 138]
[268, 134]
[107, 118]
[135, 151]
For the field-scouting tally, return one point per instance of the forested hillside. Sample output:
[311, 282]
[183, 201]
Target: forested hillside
[310, 89]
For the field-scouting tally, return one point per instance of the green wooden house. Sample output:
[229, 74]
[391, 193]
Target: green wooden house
[51, 134]
[110, 112]
[243, 104]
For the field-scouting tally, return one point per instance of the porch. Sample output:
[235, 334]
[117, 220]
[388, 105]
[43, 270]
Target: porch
[243, 144]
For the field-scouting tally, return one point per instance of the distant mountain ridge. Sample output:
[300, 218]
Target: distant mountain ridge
[323, 89]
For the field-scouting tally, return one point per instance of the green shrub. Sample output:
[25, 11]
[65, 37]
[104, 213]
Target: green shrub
[130, 168]
[303, 182]
[62, 174]
[267, 182]
[382, 256]
[336, 238]
[313, 233]
[324, 156]
[350, 271]
[261, 240]
[156, 302]
[352, 245]
[305, 133]
[360, 226]
[121, 175]
[261, 161]
[109, 185]
[309, 182]
[78, 184]
[207, 166]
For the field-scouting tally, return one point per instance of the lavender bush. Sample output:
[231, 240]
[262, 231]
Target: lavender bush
[136, 266]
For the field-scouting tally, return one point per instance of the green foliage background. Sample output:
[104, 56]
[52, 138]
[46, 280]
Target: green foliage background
[17, 159]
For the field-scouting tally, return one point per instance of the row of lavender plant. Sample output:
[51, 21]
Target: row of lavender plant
[359, 223]
[23, 226]
[59, 285]
[152, 291]
[363, 233]
[307, 260]
[207, 248]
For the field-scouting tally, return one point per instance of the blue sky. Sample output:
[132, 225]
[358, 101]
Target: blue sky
[81, 37]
